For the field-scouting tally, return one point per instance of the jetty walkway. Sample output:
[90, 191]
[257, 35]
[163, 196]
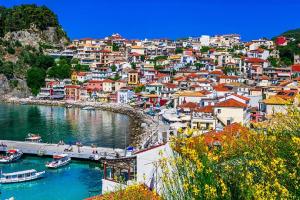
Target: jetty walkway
[45, 149]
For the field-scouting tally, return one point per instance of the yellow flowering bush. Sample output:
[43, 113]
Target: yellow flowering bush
[132, 192]
[237, 163]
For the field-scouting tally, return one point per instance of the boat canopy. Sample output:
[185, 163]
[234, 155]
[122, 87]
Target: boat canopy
[19, 173]
[12, 151]
[58, 156]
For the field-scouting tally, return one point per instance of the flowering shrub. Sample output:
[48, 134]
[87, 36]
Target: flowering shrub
[132, 192]
[238, 163]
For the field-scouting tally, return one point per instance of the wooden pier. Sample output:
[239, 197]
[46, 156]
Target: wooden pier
[45, 149]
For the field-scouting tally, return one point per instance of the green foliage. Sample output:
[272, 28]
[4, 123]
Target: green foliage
[139, 89]
[133, 65]
[36, 79]
[287, 52]
[113, 68]
[178, 50]
[22, 17]
[13, 83]
[228, 70]
[116, 78]
[274, 61]
[158, 67]
[7, 68]
[61, 70]
[10, 50]
[204, 49]
[81, 68]
[43, 61]
[115, 47]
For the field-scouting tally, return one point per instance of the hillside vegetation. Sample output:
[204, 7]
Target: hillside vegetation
[292, 48]
[22, 17]
[26, 32]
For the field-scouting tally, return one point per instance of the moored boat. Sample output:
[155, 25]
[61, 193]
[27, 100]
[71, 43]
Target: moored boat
[69, 106]
[21, 176]
[59, 161]
[88, 108]
[33, 138]
[11, 156]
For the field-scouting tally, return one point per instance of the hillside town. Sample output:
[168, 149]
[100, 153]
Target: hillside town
[205, 82]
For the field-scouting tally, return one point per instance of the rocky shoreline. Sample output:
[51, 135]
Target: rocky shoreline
[142, 126]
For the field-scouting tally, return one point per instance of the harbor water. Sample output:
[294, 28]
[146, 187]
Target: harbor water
[79, 179]
[102, 128]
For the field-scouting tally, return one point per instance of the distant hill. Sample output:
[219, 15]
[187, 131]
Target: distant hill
[295, 33]
[288, 52]
[26, 33]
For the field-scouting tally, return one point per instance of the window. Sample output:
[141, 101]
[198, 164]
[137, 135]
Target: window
[228, 121]
[219, 111]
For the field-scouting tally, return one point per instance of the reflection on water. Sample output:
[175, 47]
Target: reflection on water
[102, 128]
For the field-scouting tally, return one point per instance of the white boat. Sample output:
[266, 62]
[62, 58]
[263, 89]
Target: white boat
[88, 108]
[69, 106]
[11, 156]
[21, 176]
[59, 161]
[33, 138]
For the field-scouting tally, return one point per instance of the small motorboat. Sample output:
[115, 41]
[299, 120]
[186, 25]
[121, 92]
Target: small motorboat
[12, 155]
[69, 106]
[21, 176]
[88, 108]
[33, 138]
[59, 161]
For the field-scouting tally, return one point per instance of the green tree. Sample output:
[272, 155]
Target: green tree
[113, 68]
[115, 47]
[139, 89]
[133, 65]
[61, 70]
[178, 50]
[35, 79]
[10, 50]
[80, 67]
[44, 61]
[204, 49]
[273, 61]
[7, 68]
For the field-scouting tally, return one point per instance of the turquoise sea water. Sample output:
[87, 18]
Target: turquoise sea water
[78, 180]
[105, 129]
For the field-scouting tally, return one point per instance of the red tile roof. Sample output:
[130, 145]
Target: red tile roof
[216, 72]
[170, 85]
[229, 77]
[190, 105]
[72, 86]
[205, 109]
[231, 103]
[220, 88]
[228, 134]
[108, 81]
[295, 68]
[254, 60]
[242, 97]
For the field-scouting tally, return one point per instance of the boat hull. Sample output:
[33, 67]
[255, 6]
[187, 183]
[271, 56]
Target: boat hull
[37, 176]
[11, 159]
[58, 165]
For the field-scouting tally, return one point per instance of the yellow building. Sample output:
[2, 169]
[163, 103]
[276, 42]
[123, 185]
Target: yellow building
[133, 77]
[74, 77]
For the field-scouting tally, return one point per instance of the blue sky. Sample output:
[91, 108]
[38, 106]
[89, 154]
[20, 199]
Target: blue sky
[172, 18]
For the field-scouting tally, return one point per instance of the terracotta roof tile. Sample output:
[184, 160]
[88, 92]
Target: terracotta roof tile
[231, 103]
